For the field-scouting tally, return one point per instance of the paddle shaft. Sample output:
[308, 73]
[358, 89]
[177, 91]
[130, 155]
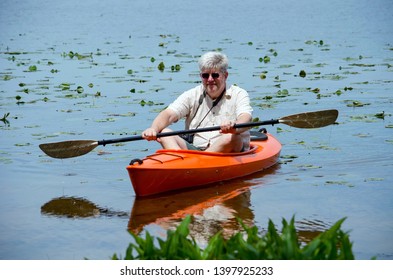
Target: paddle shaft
[189, 131]
[74, 148]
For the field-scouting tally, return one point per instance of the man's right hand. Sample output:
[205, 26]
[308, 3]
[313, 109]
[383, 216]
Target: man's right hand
[150, 134]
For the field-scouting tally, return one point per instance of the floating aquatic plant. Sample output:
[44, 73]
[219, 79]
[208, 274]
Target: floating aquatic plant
[315, 42]
[65, 86]
[380, 115]
[32, 68]
[355, 103]
[308, 166]
[175, 68]
[362, 65]
[4, 119]
[282, 93]
[161, 66]
[79, 89]
[340, 183]
[264, 59]
[149, 103]
[71, 55]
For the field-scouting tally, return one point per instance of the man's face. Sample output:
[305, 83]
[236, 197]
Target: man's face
[214, 81]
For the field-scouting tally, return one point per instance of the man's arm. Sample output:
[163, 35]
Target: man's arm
[163, 120]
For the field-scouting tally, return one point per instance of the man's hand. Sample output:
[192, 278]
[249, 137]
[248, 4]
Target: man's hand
[228, 127]
[150, 134]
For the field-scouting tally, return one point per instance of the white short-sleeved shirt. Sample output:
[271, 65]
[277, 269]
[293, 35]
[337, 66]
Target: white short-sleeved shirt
[235, 101]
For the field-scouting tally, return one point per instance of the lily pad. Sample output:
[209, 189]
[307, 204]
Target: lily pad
[308, 166]
[340, 183]
[355, 103]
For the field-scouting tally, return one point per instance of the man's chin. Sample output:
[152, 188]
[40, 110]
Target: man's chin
[212, 90]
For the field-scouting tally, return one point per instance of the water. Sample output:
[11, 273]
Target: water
[345, 47]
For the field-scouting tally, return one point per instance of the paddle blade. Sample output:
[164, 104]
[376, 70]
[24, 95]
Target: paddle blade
[311, 119]
[68, 149]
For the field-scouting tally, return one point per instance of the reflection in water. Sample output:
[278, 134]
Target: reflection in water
[76, 207]
[214, 208]
[307, 230]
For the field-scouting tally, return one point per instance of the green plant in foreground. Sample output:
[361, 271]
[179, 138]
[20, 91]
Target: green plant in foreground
[333, 244]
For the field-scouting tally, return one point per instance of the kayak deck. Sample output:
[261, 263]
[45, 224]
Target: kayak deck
[169, 170]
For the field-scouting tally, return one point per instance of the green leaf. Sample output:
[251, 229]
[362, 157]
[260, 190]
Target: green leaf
[161, 66]
[32, 68]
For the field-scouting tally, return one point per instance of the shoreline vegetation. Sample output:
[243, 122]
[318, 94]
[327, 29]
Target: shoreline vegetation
[332, 244]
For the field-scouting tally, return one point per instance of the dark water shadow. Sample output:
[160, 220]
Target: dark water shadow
[77, 207]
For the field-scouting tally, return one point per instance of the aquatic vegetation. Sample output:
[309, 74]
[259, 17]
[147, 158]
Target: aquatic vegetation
[65, 86]
[363, 118]
[374, 179]
[32, 68]
[382, 115]
[282, 93]
[315, 42]
[339, 183]
[161, 66]
[4, 119]
[265, 59]
[355, 103]
[149, 103]
[79, 89]
[332, 244]
[175, 68]
[287, 158]
[76, 55]
[307, 166]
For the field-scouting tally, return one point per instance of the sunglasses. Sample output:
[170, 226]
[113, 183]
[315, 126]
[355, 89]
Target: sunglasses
[206, 75]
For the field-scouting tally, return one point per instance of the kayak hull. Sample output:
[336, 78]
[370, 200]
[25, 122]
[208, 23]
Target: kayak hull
[169, 170]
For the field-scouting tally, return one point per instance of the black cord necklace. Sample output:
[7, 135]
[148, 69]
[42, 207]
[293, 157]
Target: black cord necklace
[215, 102]
[190, 137]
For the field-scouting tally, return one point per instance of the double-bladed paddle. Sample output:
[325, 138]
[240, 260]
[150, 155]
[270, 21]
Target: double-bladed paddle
[74, 148]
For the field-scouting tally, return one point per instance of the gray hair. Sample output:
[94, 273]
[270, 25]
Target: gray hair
[213, 60]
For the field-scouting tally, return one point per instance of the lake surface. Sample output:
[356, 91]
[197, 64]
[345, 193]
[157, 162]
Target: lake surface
[89, 70]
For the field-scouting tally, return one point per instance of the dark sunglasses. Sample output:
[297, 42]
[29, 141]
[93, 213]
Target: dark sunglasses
[206, 75]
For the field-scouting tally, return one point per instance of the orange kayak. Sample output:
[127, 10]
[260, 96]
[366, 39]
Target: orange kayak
[170, 170]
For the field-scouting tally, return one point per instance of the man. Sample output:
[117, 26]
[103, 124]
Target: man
[209, 104]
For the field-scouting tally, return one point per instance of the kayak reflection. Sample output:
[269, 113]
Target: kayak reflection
[214, 208]
[77, 207]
